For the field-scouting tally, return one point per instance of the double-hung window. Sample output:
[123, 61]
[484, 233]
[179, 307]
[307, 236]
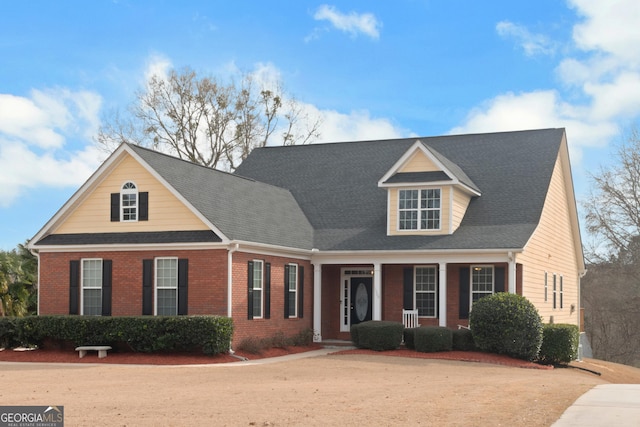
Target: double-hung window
[482, 282]
[129, 202]
[258, 288]
[419, 209]
[166, 286]
[292, 290]
[426, 285]
[91, 287]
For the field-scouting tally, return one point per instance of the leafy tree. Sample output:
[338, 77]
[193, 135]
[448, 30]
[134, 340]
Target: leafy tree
[18, 278]
[205, 121]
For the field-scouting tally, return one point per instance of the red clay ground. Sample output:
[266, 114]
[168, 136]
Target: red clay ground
[352, 387]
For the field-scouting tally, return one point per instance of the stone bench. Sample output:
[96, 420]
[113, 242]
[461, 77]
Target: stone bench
[101, 349]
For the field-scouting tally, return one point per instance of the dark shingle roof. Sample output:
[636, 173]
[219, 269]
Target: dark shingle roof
[409, 177]
[151, 237]
[335, 185]
[241, 208]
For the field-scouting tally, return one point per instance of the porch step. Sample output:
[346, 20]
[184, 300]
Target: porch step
[341, 344]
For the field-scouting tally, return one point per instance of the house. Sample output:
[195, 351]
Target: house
[322, 236]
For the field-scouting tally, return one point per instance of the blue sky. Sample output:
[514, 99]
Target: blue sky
[367, 69]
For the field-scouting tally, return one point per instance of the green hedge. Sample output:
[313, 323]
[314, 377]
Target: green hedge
[463, 340]
[508, 324]
[430, 339]
[377, 335]
[559, 343]
[211, 334]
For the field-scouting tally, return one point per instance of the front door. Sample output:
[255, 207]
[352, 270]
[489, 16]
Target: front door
[361, 299]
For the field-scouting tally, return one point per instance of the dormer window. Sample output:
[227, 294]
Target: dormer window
[129, 202]
[419, 209]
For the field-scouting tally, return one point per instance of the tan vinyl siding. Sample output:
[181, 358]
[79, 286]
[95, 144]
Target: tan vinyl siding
[166, 212]
[552, 249]
[444, 213]
[460, 203]
[419, 162]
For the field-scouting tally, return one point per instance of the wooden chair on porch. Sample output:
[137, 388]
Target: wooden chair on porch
[410, 318]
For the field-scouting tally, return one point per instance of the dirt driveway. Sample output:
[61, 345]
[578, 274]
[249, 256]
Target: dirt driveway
[326, 390]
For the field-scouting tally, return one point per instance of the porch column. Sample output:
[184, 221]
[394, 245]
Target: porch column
[317, 302]
[442, 294]
[512, 273]
[377, 292]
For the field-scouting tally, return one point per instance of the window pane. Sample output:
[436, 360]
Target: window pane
[481, 282]
[92, 302]
[257, 289]
[167, 302]
[426, 287]
[293, 303]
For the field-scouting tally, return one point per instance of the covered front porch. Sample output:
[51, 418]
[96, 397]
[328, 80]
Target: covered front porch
[442, 289]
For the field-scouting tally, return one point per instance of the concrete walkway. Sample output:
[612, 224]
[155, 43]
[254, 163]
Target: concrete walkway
[604, 405]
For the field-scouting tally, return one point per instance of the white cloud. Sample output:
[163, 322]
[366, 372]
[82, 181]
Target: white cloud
[609, 26]
[532, 44]
[34, 136]
[352, 23]
[604, 80]
[356, 126]
[157, 65]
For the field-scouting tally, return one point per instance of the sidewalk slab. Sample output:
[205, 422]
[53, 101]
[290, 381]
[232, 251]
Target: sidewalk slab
[604, 405]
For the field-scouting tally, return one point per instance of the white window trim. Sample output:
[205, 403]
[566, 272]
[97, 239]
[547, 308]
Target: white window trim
[261, 262]
[434, 292]
[555, 291]
[82, 288]
[493, 281]
[124, 191]
[561, 303]
[295, 300]
[155, 283]
[546, 287]
[419, 189]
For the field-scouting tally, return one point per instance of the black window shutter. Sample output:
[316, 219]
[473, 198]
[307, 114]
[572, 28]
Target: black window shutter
[300, 292]
[74, 286]
[115, 207]
[499, 279]
[287, 267]
[407, 288]
[250, 290]
[183, 284]
[106, 287]
[464, 292]
[147, 287]
[267, 290]
[143, 213]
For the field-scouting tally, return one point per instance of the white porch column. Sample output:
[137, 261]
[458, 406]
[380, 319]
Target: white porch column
[512, 273]
[317, 302]
[377, 292]
[442, 294]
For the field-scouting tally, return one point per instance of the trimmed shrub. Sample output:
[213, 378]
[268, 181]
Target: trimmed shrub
[430, 339]
[559, 343]
[463, 340]
[377, 335]
[409, 335]
[211, 334]
[508, 324]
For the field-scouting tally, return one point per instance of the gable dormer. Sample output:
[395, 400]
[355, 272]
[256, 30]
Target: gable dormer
[427, 194]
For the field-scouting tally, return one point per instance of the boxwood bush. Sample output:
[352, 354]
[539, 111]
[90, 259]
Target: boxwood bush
[377, 335]
[210, 334]
[430, 339]
[463, 340]
[508, 324]
[559, 343]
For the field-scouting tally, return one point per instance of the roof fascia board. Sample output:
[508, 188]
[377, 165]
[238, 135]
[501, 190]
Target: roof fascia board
[131, 247]
[454, 182]
[419, 145]
[271, 250]
[414, 257]
[179, 196]
[85, 189]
